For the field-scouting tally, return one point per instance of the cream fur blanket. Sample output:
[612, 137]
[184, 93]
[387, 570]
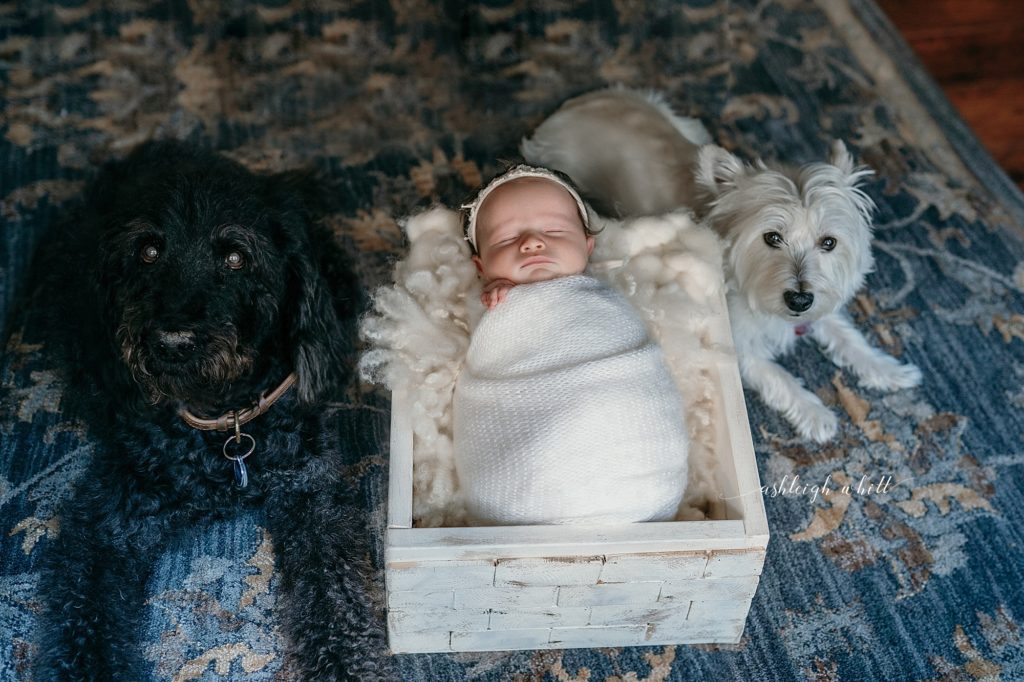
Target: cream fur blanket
[565, 412]
[418, 333]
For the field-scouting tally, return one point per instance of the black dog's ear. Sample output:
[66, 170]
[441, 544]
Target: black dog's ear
[322, 311]
[316, 333]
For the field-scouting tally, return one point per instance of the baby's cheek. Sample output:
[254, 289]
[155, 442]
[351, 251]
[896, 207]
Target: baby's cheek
[501, 267]
[581, 261]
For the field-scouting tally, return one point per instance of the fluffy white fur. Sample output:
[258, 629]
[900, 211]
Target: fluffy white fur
[625, 130]
[807, 208]
[419, 331]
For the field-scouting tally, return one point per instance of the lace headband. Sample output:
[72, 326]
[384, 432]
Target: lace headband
[520, 171]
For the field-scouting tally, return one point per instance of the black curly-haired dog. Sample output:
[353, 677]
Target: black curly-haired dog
[194, 290]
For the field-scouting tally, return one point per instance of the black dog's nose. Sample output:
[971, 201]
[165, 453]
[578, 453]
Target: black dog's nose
[798, 301]
[175, 345]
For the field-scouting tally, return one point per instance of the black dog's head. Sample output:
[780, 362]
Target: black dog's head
[210, 279]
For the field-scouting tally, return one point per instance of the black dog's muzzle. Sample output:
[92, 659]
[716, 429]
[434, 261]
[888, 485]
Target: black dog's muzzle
[173, 347]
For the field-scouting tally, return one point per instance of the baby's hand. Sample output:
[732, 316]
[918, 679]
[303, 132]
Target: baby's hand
[495, 292]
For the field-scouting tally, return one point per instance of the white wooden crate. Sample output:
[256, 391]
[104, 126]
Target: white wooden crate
[545, 587]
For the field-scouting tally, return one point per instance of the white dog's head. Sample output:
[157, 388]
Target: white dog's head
[799, 241]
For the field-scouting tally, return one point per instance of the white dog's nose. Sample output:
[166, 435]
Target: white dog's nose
[798, 301]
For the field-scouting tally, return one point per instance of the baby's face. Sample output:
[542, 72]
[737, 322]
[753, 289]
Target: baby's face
[530, 230]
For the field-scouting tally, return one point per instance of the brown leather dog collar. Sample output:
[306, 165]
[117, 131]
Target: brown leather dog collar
[233, 420]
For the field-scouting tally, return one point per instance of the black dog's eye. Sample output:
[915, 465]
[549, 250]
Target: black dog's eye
[828, 243]
[150, 253]
[234, 260]
[773, 239]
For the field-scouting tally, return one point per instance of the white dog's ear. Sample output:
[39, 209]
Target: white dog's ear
[851, 177]
[842, 160]
[717, 169]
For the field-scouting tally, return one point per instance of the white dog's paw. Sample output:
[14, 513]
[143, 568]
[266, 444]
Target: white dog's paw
[891, 376]
[815, 422]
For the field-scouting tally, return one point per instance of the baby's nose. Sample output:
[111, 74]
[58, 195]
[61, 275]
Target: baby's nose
[531, 242]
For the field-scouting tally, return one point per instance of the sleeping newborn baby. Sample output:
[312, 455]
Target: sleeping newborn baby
[565, 411]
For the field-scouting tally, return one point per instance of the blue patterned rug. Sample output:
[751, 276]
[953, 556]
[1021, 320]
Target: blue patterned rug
[411, 102]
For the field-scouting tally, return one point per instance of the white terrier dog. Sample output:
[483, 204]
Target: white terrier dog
[798, 240]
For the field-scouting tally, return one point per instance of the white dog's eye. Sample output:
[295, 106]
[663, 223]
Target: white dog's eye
[234, 260]
[828, 243]
[773, 239]
[149, 254]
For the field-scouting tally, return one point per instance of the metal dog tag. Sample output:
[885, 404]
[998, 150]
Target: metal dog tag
[238, 460]
[241, 474]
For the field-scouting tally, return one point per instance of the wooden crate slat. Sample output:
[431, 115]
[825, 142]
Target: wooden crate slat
[726, 589]
[597, 635]
[501, 640]
[444, 544]
[419, 642]
[434, 620]
[505, 597]
[731, 564]
[718, 610]
[548, 571]
[438, 575]
[552, 616]
[741, 482]
[724, 632]
[620, 614]
[400, 463]
[621, 568]
[416, 599]
[614, 593]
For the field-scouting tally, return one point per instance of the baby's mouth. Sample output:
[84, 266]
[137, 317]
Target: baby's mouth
[536, 260]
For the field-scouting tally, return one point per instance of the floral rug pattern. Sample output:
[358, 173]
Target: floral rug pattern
[896, 549]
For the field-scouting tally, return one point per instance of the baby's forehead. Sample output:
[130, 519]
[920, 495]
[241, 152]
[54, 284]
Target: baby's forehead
[516, 190]
[526, 185]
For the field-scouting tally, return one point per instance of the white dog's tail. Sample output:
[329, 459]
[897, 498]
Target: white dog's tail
[690, 128]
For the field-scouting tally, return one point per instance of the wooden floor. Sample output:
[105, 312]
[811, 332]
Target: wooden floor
[975, 50]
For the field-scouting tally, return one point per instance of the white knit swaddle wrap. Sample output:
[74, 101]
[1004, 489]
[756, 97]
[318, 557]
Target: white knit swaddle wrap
[565, 412]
